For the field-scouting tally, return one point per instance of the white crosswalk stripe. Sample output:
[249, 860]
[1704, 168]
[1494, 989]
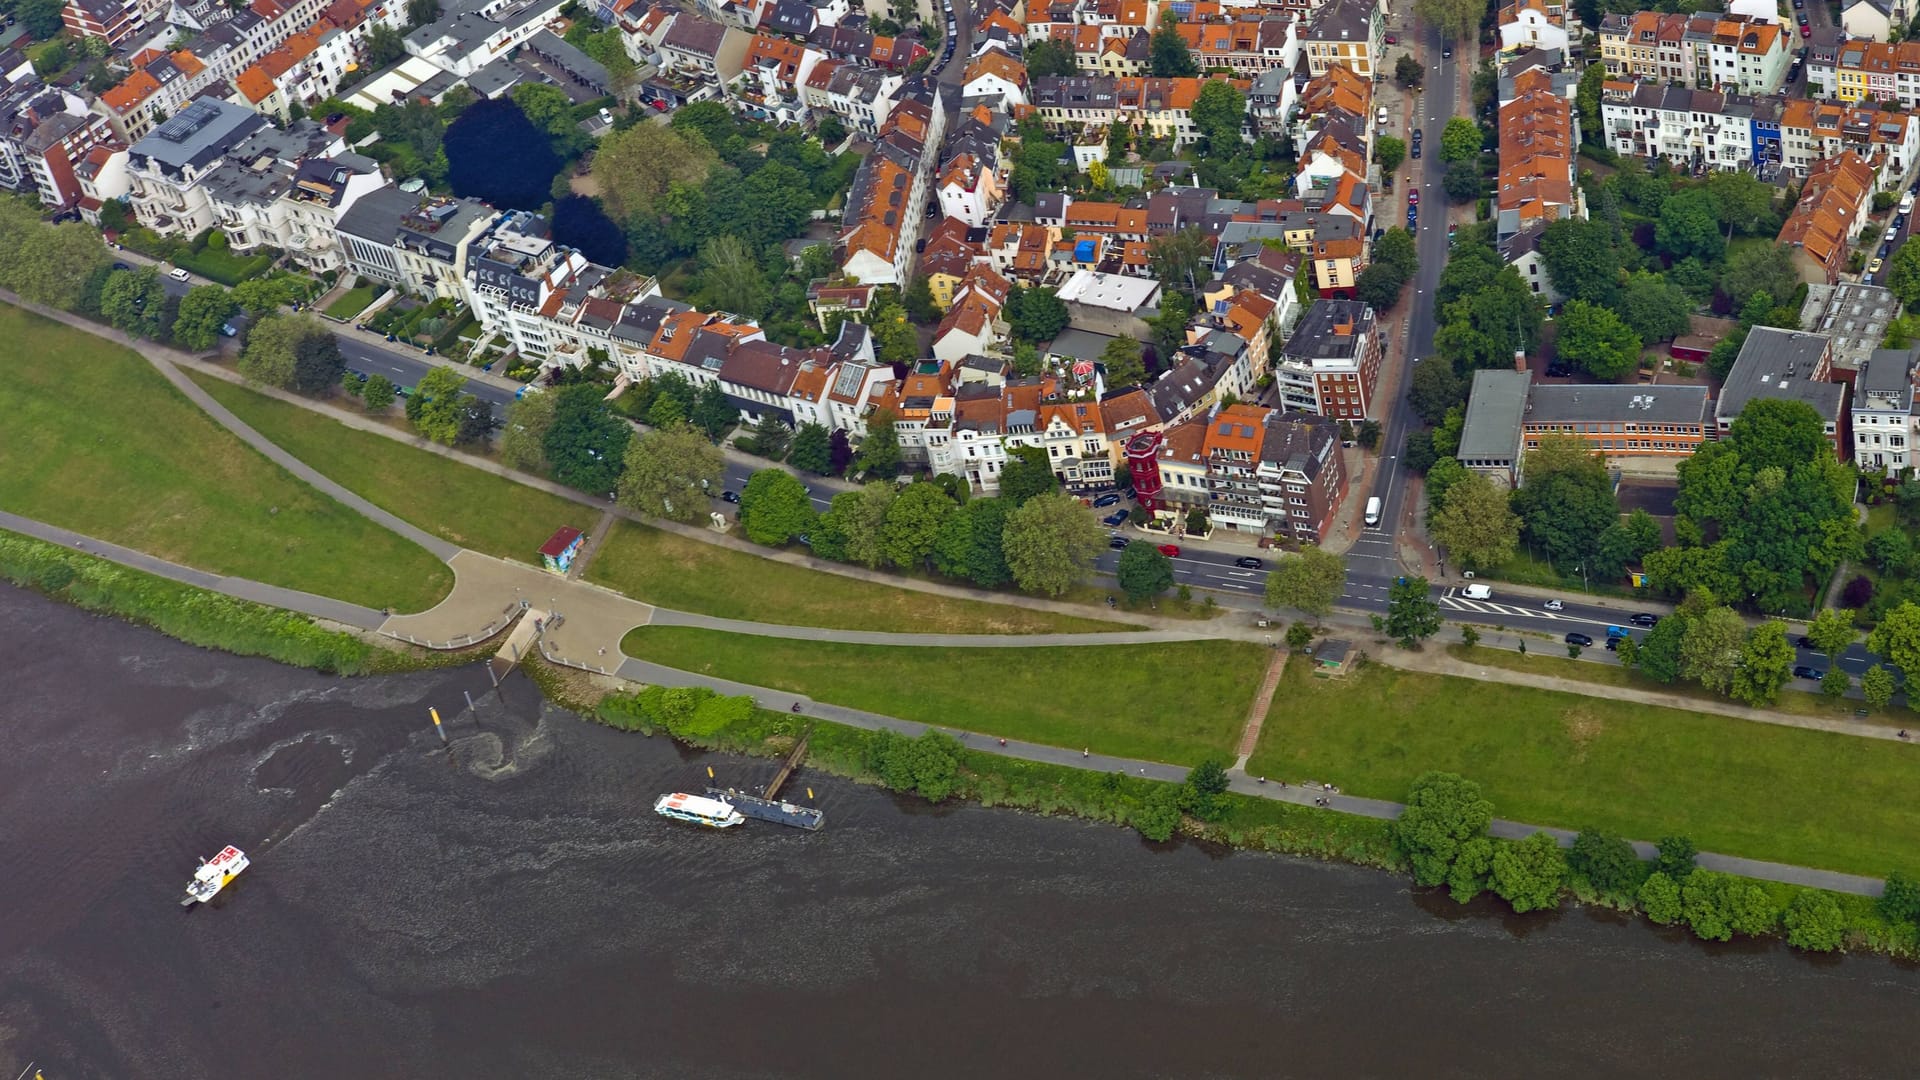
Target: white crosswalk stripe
[1485, 608]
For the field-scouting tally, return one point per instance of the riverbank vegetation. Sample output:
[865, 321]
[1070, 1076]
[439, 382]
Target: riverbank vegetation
[1172, 701]
[97, 441]
[1764, 791]
[449, 498]
[686, 575]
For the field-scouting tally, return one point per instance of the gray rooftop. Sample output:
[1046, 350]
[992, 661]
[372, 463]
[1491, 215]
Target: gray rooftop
[1079, 344]
[1885, 382]
[197, 135]
[1573, 404]
[1779, 364]
[1854, 315]
[1495, 410]
[1317, 336]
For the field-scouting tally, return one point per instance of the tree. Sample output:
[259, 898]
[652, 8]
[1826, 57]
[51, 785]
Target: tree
[668, 473]
[1144, 572]
[435, 406]
[812, 449]
[770, 438]
[1462, 181]
[47, 265]
[1877, 685]
[1121, 358]
[1389, 152]
[1832, 631]
[1688, 226]
[1900, 901]
[1167, 52]
[918, 300]
[1219, 112]
[1607, 862]
[1594, 339]
[134, 301]
[1890, 550]
[1435, 389]
[318, 364]
[1204, 793]
[914, 521]
[1587, 98]
[1444, 811]
[584, 443]
[1460, 140]
[1675, 857]
[1903, 275]
[731, 278]
[1035, 315]
[1476, 526]
[880, 450]
[1582, 259]
[1659, 897]
[1181, 259]
[1766, 663]
[378, 394]
[385, 45]
[1050, 542]
[854, 521]
[1026, 474]
[775, 508]
[1412, 612]
[1299, 636]
[261, 296]
[268, 359]
[1763, 268]
[971, 545]
[40, 17]
[1170, 326]
[422, 12]
[713, 413]
[1379, 285]
[1814, 922]
[1530, 873]
[1471, 870]
[1159, 815]
[1897, 638]
[1654, 308]
[203, 311]
[1396, 249]
[1049, 58]
[666, 412]
[1310, 581]
[1712, 651]
[1568, 500]
[635, 167]
[1408, 72]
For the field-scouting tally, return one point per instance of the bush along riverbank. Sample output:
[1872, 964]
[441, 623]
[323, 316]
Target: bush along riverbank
[197, 616]
[1441, 839]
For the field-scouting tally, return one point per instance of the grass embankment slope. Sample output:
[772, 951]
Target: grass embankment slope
[1737, 787]
[686, 575]
[492, 514]
[1178, 702]
[97, 441]
[464, 505]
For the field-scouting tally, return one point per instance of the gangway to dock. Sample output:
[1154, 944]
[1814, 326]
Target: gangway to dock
[767, 806]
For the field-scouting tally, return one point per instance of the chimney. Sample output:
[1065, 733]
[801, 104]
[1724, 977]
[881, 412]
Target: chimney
[1519, 360]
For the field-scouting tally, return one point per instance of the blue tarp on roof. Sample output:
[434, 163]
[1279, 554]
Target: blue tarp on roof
[1083, 250]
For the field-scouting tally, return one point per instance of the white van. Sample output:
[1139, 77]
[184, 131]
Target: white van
[1477, 592]
[1906, 202]
[1373, 512]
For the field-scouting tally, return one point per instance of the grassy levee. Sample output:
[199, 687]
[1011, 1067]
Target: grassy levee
[467, 506]
[686, 575]
[1180, 702]
[95, 440]
[1738, 787]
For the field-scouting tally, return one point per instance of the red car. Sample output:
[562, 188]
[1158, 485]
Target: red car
[1171, 551]
[1392, 40]
[1413, 197]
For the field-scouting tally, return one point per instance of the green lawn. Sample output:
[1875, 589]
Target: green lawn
[97, 441]
[1734, 786]
[467, 506]
[225, 267]
[1177, 702]
[687, 575]
[351, 303]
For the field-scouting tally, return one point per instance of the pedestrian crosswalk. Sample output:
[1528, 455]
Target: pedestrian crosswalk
[1484, 607]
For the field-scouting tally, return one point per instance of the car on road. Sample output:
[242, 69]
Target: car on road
[1804, 642]
[178, 274]
[1899, 222]
[730, 496]
[121, 266]
[1415, 154]
[1644, 618]
[1413, 197]
[1171, 551]
[1392, 39]
[1577, 638]
[1554, 605]
[1884, 248]
[1248, 562]
[1874, 266]
[1805, 672]
[1613, 644]
[1446, 51]
[227, 329]
[1115, 518]
[1118, 542]
[1106, 500]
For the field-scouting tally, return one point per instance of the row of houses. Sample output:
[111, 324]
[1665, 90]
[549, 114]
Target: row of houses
[1738, 54]
[1711, 129]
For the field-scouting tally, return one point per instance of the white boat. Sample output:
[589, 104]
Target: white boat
[214, 874]
[713, 813]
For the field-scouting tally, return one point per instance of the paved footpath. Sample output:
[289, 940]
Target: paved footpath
[641, 671]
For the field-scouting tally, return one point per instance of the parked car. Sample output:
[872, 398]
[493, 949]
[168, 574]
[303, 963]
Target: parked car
[1118, 542]
[1416, 150]
[1248, 562]
[1118, 517]
[227, 329]
[1171, 551]
[1392, 39]
[1554, 605]
[1613, 644]
[1577, 638]
[1874, 266]
[1446, 51]
[1805, 672]
[1804, 642]
[1108, 499]
[178, 274]
[121, 266]
[1413, 197]
[730, 496]
[1644, 618]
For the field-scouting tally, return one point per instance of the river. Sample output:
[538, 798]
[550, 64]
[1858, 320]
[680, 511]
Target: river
[517, 911]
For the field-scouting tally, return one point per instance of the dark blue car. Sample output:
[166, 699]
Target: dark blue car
[1115, 518]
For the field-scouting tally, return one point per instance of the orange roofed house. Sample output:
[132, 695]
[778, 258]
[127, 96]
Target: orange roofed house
[1267, 472]
[1833, 208]
[1539, 137]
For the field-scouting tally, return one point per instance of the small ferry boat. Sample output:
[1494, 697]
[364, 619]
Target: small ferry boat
[214, 874]
[714, 813]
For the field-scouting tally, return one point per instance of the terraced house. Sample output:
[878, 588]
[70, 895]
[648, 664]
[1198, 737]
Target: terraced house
[1736, 53]
[1539, 133]
[1851, 69]
[1691, 128]
[1158, 108]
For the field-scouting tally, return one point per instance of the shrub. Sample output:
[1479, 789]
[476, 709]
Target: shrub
[1814, 922]
[1660, 899]
[1858, 593]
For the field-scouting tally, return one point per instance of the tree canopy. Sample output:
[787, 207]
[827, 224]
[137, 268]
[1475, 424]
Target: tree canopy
[668, 473]
[584, 443]
[1595, 340]
[1051, 541]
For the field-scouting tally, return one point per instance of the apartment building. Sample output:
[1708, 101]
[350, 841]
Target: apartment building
[1158, 108]
[1696, 128]
[1344, 33]
[1883, 422]
[1853, 69]
[1811, 131]
[283, 189]
[1734, 53]
[1788, 365]
[1533, 24]
[1330, 365]
[470, 34]
[414, 243]
[46, 133]
[113, 21]
[1508, 415]
[1271, 472]
[1539, 138]
[887, 202]
[1833, 208]
[167, 167]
